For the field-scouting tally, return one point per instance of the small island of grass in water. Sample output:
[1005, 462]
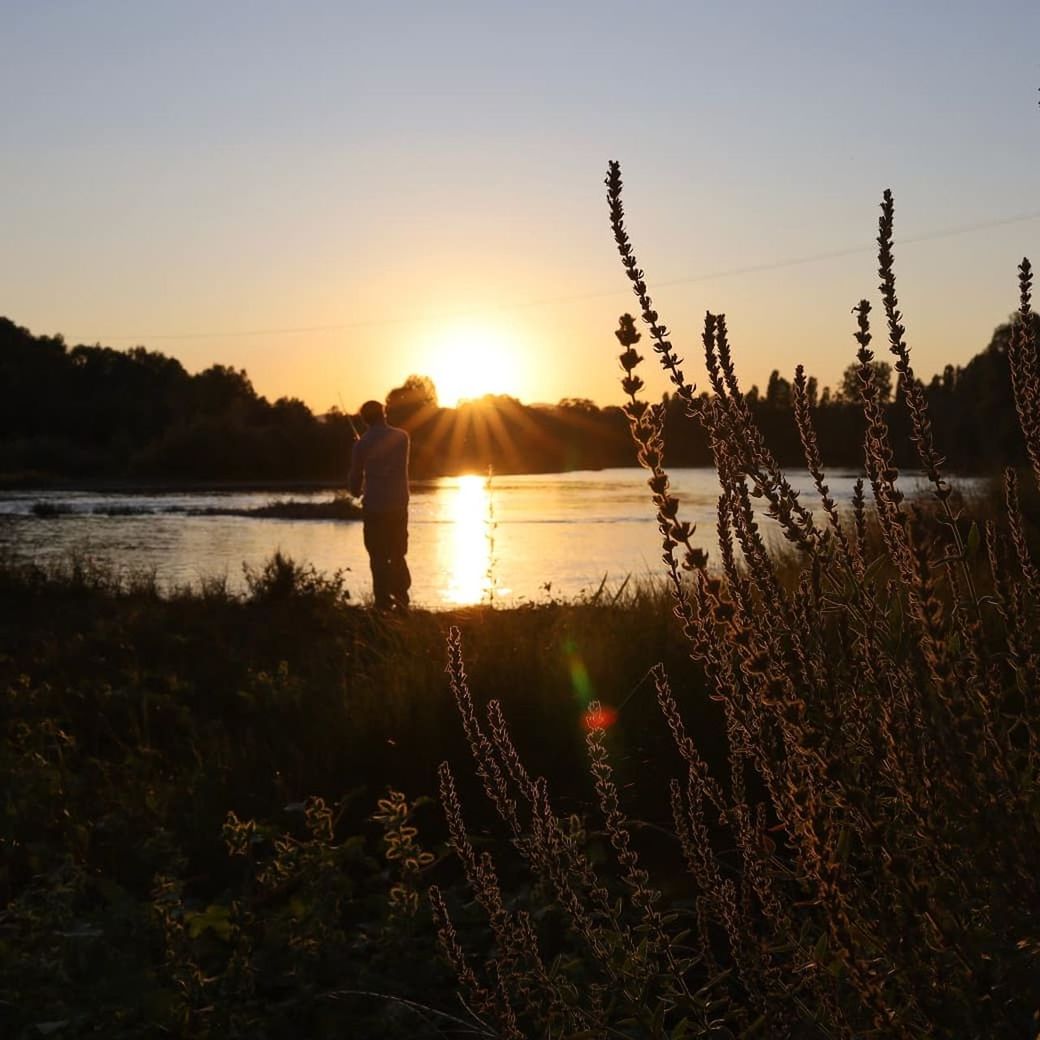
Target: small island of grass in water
[341, 507]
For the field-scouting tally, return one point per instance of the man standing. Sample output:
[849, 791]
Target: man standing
[379, 473]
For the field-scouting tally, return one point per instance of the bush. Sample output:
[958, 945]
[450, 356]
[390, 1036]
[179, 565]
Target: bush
[865, 863]
[282, 579]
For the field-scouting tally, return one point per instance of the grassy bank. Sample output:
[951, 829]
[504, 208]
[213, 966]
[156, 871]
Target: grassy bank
[132, 723]
[197, 811]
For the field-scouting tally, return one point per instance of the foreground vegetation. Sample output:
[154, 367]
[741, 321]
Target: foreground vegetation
[216, 822]
[864, 865]
[199, 835]
[133, 722]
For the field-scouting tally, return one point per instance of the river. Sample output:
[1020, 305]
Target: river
[515, 539]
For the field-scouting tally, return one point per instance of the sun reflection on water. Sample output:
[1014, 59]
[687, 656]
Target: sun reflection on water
[471, 564]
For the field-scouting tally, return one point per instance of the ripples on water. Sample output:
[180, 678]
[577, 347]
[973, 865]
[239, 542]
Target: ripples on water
[521, 539]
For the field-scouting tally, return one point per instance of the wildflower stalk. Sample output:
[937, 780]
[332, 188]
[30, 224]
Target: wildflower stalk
[913, 390]
[865, 865]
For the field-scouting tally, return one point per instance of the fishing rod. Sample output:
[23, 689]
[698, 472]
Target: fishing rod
[353, 428]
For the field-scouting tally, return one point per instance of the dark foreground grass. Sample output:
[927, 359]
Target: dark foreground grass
[132, 723]
[188, 841]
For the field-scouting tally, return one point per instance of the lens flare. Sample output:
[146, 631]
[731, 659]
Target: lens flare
[602, 718]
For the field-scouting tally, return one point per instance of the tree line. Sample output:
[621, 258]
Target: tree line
[136, 414]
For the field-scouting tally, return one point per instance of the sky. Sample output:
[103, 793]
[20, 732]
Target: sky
[335, 195]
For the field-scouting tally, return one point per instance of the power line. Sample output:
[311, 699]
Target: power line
[548, 301]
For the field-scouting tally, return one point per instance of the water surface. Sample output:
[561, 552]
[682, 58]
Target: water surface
[515, 539]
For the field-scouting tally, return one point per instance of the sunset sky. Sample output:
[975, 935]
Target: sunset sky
[336, 195]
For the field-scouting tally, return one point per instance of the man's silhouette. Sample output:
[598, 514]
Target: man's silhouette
[379, 473]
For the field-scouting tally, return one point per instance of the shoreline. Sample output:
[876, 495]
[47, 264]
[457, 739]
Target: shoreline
[127, 486]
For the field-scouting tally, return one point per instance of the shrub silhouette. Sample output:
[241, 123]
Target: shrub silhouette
[866, 864]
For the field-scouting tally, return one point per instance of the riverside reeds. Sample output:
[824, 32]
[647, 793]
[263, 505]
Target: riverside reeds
[134, 718]
[865, 863]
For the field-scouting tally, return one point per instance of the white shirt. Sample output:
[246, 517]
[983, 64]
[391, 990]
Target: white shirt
[379, 468]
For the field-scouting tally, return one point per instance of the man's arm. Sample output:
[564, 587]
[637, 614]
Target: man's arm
[356, 480]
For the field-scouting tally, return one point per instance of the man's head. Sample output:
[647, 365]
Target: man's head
[372, 413]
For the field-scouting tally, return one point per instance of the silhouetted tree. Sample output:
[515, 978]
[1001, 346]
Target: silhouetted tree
[583, 404]
[778, 391]
[850, 383]
[91, 410]
[414, 392]
[220, 389]
[411, 402]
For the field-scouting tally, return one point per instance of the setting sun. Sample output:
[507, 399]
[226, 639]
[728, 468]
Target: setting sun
[468, 361]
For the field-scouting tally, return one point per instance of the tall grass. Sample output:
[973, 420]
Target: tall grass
[171, 762]
[863, 862]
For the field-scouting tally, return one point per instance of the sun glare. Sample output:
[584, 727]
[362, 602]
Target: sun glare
[470, 361]
[469, 550]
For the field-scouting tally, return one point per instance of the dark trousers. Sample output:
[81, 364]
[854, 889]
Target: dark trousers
[386, 539]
